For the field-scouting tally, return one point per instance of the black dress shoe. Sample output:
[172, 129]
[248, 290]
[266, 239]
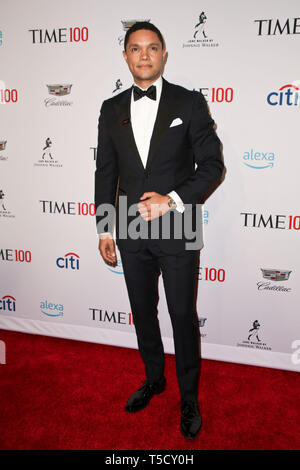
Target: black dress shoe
[190, 424]
[141, 398]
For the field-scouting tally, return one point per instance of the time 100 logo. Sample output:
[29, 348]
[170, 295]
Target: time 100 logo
[218, 95]
[211, 274]
[7, 95]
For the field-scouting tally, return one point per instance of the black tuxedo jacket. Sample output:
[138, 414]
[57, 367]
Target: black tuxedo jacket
[170, 165]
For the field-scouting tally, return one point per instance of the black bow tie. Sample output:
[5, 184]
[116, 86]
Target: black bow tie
[138, 93]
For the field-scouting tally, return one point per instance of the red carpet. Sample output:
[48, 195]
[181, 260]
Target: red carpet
[63, 394]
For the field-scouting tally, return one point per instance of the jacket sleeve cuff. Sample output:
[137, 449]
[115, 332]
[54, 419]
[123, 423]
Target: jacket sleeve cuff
[178, 200]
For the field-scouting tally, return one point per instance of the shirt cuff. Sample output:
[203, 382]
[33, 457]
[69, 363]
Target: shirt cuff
[179, 204]
[105, 235]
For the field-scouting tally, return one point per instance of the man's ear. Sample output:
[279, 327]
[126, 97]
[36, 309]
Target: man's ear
[125, 55]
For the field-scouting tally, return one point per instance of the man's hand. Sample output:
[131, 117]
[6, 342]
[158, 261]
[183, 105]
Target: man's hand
[107, 250]
[154, 205]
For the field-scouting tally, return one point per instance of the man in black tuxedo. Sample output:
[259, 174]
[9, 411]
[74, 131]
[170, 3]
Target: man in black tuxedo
[150, 138]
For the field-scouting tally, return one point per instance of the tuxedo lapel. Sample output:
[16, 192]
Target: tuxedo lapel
[165, 114]
[123, 113]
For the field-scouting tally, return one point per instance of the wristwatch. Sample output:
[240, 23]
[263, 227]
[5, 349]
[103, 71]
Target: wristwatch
[171, 203]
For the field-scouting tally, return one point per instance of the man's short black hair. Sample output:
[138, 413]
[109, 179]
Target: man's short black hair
[143, 25]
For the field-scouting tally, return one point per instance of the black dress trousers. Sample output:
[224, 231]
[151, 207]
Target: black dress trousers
[179, 273]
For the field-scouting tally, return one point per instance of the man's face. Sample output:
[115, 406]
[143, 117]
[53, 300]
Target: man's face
[144, 56]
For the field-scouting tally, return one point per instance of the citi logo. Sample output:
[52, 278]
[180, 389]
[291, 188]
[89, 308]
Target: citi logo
[59, 35]
[69, 261]
[259, 160]
[51, 309]
[8, 303]
[287, 95]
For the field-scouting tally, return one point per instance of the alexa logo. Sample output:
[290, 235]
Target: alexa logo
[205, 216]
[287, 95]
[69, 261]
[118, 269]
[51, 309]
[258, 160]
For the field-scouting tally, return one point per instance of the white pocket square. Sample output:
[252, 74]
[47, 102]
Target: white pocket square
[176, 122]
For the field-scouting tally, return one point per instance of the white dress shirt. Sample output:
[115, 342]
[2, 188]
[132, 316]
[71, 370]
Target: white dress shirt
[143, 115]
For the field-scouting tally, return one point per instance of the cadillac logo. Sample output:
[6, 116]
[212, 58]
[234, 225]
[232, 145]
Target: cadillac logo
[59, 90]
[276, 274]
[2, 144]
[128, 23]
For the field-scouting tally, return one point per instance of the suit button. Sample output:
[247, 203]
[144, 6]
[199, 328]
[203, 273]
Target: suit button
[146, 174]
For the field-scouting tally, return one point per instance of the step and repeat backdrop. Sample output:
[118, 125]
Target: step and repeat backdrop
[58, 61]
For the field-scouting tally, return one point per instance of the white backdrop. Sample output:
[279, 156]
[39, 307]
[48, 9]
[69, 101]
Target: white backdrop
[53, 280]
